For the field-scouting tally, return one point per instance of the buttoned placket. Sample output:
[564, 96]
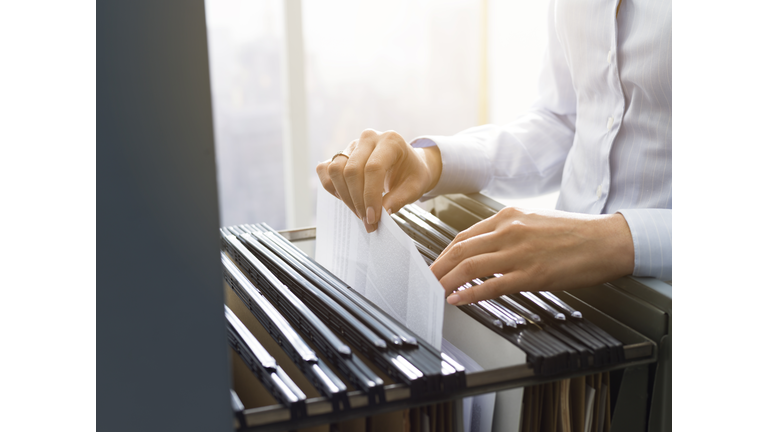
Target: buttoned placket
[613, 119]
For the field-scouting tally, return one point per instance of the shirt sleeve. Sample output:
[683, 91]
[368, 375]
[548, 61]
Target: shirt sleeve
[652, 236]
[522, 158]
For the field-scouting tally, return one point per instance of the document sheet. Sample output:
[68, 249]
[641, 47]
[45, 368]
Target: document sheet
[384, 266]
[477, 410]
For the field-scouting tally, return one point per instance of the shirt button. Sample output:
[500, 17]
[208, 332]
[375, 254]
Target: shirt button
[610, 54]
[610, 122]
[599, 191]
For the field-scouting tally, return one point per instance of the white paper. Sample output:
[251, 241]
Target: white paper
[384, 266]
[491, 351]
[477, 410]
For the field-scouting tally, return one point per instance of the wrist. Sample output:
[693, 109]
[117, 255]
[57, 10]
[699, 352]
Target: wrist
[619, 244]
[433, 163]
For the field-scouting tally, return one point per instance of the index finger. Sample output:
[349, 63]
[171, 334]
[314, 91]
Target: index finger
[384, 156]
[482, 227]
[458, 252]
[354, 174]
[491, 288]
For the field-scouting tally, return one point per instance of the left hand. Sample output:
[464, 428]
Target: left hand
[376, 163]
[536, 250]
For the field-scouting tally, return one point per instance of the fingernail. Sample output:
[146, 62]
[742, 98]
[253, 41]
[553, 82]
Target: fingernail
[371, 215]
[453, 299]
[337, 196]
[359, 216]
[368, 228]
[389, 212]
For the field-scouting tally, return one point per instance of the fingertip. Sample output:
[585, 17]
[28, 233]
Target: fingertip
[453, 299]
[391, 203]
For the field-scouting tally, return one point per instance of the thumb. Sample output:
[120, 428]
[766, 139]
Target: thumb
[396, 199]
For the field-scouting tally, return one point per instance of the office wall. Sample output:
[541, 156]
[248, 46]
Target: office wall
[161, 341]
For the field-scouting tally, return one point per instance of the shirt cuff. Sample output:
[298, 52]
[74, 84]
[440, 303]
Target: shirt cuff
[652, 236]
[466, 168]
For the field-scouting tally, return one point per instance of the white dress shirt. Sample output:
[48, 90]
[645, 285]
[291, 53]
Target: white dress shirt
[601, 130]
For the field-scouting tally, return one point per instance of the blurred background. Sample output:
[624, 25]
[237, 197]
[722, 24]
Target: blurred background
[416, 67]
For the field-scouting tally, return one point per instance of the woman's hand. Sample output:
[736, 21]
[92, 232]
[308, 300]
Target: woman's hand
[379, 163]
[535, 251]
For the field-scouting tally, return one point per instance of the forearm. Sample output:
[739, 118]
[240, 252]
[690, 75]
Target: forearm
[522, 158]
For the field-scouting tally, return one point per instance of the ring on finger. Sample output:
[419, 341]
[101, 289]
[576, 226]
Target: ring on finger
[341, 153]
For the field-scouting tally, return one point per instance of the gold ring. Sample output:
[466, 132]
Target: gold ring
[341, 153]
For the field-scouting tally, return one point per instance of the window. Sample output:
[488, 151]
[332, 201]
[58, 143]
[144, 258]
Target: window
[415, 67]
[245, 42]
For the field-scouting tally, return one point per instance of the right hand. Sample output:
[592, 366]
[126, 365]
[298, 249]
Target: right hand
[378, 163]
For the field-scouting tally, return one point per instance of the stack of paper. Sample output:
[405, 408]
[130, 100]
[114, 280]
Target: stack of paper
[384, 266]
